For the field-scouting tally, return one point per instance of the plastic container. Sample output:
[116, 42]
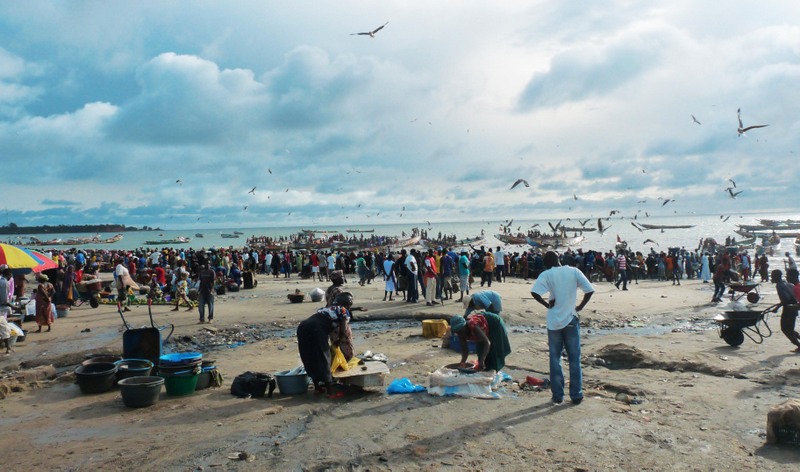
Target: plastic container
[434, 328]
[181, 384]
[291, 384]
[455, 344]
[204, 380]
[102, 358]
[62, 312]
[133, 368]
[180, 358]
[140, 391]
[97, 377]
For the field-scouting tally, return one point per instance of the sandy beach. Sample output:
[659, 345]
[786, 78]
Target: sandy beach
[700, 404]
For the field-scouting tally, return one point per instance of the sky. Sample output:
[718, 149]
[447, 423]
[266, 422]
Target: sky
[169, 113]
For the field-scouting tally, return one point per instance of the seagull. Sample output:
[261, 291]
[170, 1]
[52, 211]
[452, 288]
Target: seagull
[520, 181]
[695, 120]
[179, 182]
[732, 193]
[667, 200]
[650, 241]
[269, 170]
[600, 228]
[641, 230]
[245, 208]
[612, 213]
[252, 190]
[554, 228]
[741, 130]
[371, 34]
[583, 223]
[726, 218]
[642, 201]
[574, 197]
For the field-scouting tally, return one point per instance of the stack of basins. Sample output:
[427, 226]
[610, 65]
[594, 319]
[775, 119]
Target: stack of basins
[137, 387]
[180, 371]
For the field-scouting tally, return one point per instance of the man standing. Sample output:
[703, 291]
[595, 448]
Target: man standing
[205, 293]
[463, 274]
[412, 268]
[622, 270]
[788, 302]
[500, 264]
[563, 328]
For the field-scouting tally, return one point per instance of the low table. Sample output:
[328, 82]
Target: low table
[370, 374]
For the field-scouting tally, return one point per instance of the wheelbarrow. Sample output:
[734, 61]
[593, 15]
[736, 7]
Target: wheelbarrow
[735, 325]
[89, 291]
[145, 342]
[738, 290]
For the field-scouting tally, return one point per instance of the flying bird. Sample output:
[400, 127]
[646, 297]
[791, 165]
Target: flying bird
[520, 181]
[371, 34]
[554, 228]
[600, 227]
[726, 218]
[612, 213]
[269, 170]
[245, 208]
[741, 130]
[695, 120]
[179, 182]
[641, 230]
[583, 223]
[252, 191]
[650, 241]
[574, 197]
[731, 181]
[667, 200]
[732, 193]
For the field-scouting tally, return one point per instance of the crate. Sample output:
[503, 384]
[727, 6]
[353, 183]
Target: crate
[787, 436]
[455, 344]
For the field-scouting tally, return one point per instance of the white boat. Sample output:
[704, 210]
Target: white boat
[555, 241]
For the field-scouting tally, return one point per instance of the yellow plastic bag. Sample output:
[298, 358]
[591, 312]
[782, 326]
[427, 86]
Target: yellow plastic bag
[338, 360]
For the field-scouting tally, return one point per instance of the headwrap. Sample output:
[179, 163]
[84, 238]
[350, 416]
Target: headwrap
[337, 275]
[457, 323]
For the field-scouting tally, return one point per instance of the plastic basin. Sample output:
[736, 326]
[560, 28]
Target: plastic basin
[180, 358]
[97, 377]
[291, 384]
[133, 368]
[140, 391]
[179, 385]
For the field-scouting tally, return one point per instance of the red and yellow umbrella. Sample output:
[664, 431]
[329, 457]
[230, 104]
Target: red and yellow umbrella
[23, 259]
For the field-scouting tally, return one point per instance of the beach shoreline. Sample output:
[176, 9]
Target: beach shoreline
[684, 422]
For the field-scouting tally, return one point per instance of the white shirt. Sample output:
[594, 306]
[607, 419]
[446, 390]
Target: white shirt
[268, 259]
[411, 264]
[563, 283]
[500, 258]
[331, 262]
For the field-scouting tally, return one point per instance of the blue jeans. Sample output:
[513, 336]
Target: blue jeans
[567, 337]
[202, 301]
[719, 289]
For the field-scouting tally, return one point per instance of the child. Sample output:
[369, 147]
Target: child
[181, 292]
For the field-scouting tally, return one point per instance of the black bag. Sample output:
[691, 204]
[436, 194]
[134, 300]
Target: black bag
[253, 384]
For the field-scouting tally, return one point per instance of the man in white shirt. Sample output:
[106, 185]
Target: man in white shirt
[121, 272]
[500, 264]
[563, 327]
[411, 265]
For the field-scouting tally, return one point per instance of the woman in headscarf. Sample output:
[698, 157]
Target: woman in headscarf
[389, 276]
[44, 309]
[345, 342]
[312, 340]
[490, 336]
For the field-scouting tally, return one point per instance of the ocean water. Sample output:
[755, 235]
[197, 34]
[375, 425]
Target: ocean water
[704, 226]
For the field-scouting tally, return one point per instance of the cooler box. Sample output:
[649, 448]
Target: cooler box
[434, 328]
[455, 344]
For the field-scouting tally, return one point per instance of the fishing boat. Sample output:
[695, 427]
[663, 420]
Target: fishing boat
[360, 230]
[647, 226]
[229, 235]
[509, 239]
[198, 235]
[166, 242]
[408, 241]
[237, 232]
[555, 241]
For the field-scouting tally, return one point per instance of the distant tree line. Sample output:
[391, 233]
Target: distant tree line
[13, 228]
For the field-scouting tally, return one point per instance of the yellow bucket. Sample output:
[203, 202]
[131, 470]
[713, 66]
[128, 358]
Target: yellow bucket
[434, 328]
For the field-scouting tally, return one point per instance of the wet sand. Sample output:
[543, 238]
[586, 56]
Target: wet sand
[704, 404]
